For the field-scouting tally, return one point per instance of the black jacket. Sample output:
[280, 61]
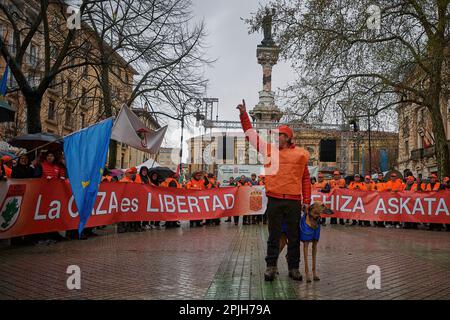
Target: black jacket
[22, 172]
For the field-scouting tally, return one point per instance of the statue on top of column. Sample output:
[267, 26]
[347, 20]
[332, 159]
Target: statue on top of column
[267, 28]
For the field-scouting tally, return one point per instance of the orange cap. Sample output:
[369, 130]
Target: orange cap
[433, 175]
[336, 172]
[446, 179]
[286, 130]
[367, 177]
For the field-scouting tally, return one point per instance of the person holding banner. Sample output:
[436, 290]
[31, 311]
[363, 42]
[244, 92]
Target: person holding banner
[337, 182]
[395, 185]
[196, 183]
[287, 185]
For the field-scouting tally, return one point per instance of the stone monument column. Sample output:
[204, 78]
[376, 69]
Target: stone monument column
[267, 54]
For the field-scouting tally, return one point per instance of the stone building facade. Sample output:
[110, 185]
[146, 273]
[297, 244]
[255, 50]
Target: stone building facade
[74, 99]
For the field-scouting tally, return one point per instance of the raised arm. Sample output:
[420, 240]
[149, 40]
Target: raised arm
[250, 133]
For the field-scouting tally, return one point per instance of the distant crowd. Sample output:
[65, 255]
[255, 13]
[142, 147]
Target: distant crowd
[393, 183]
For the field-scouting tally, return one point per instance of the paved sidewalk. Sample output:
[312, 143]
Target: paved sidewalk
[227, 262]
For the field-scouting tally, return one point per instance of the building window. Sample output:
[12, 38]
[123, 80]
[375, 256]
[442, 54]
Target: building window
[406, 127]
[83, 97]
[85, 72]
[51, 110]
[68, 117]
[69, 88]
[407, 148]
[83, 120]
[33, 55]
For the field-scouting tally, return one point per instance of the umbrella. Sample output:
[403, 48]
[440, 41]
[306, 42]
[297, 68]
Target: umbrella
[33, 141]
[115, 172]
[387, 176]
[163, 172]
[7, 112]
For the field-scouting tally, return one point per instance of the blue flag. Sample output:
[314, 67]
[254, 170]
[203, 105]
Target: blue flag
[3, 82]
[85, 152]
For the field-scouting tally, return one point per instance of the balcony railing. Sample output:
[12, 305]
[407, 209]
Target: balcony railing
[417, 154]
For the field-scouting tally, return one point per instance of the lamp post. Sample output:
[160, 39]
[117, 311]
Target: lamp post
[198, 117]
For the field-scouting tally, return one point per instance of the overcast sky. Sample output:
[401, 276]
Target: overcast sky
[236, 74]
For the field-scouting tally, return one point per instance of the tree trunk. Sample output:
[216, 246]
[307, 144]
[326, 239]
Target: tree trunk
[33, 102]
[106, 91]
[441, 146]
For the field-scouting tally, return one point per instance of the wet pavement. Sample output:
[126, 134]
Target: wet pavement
[227, 262]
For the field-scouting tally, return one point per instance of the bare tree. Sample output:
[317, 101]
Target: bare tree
[392, 53]
[36, 22]
[156, 38]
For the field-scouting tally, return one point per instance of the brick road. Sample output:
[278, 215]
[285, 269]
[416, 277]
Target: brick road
[227, 262]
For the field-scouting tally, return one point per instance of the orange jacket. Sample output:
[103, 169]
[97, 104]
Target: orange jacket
[166, 183]
[125, 179]
[357, 186]
[320, 185]
[8, 171]
[412, 188]
[290, 179]
[245, 184]
[396, 185]
[340, 183]
[428, 187]
[370, 186]
[106, 179]
[379, 186]
[196, 184]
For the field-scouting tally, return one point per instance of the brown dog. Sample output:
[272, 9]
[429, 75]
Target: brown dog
[310, 232]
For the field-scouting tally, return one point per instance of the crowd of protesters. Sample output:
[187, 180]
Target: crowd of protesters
[50, 165]
[392, 183]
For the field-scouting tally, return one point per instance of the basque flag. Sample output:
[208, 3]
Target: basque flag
[85, 152]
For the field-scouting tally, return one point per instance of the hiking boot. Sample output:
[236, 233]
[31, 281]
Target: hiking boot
[295, 275]
[270, 273]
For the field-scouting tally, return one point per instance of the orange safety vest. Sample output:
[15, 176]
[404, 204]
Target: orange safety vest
[370, 186]
[436, 187]
[196, 185]
[167, 182]
[357, 186]
[397, 185]
[340, 183]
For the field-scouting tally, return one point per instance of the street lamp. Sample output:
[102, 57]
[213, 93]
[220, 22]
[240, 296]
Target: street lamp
[198, 117]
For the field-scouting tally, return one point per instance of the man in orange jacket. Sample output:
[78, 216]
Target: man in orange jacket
[357, 184]
[395, 184]
[321, 183]
[370, 185]
[337, 183]
[196, 183]
[287, 184]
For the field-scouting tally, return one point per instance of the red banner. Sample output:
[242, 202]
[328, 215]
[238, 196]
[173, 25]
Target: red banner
[405, 206]
[38, 206]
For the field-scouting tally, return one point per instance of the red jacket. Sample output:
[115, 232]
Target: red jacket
[52, 170]
[291, 178]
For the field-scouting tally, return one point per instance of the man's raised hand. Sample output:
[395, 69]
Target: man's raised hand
[241, 107]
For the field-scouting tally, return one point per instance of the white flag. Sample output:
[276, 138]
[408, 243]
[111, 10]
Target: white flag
[129, 129]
